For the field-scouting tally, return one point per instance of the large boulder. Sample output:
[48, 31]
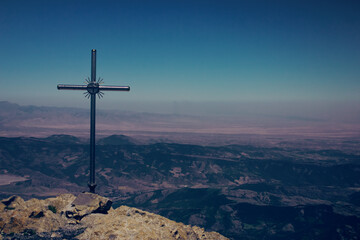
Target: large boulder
[21, 216]
[87, 203]
[48, 215]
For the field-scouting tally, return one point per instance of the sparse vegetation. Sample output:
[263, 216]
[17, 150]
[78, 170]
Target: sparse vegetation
[29, 232]
[52, 208]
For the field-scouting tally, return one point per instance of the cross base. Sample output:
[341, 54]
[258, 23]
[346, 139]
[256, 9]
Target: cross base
[92, 187]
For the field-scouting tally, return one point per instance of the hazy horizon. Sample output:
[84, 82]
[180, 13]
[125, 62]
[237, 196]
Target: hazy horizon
[248, 123]
[306, 110]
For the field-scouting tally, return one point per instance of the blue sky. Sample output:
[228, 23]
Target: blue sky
[181, 51]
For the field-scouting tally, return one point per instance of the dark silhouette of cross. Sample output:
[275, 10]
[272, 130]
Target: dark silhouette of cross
[93, 88]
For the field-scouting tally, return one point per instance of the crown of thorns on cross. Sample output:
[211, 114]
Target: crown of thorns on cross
[93, 87]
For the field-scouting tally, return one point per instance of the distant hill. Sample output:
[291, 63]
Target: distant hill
[116, 140]
[62, 138]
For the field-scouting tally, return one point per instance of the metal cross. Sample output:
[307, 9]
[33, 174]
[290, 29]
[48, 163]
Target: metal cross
[93, 88]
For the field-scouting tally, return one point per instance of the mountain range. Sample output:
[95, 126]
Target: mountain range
[241, 191]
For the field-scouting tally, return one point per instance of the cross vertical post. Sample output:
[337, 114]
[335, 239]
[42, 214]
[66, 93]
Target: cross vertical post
[92, 183]
[93, 88]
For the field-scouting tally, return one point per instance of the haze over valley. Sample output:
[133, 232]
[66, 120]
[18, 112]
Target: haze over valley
[260, 123]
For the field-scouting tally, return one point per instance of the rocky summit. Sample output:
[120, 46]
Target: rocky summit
[87, 216]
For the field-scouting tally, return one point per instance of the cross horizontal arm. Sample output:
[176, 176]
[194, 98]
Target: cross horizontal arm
[114, 88]
[71, 87]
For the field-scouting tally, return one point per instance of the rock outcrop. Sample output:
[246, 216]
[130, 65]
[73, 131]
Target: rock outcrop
[87, 216]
